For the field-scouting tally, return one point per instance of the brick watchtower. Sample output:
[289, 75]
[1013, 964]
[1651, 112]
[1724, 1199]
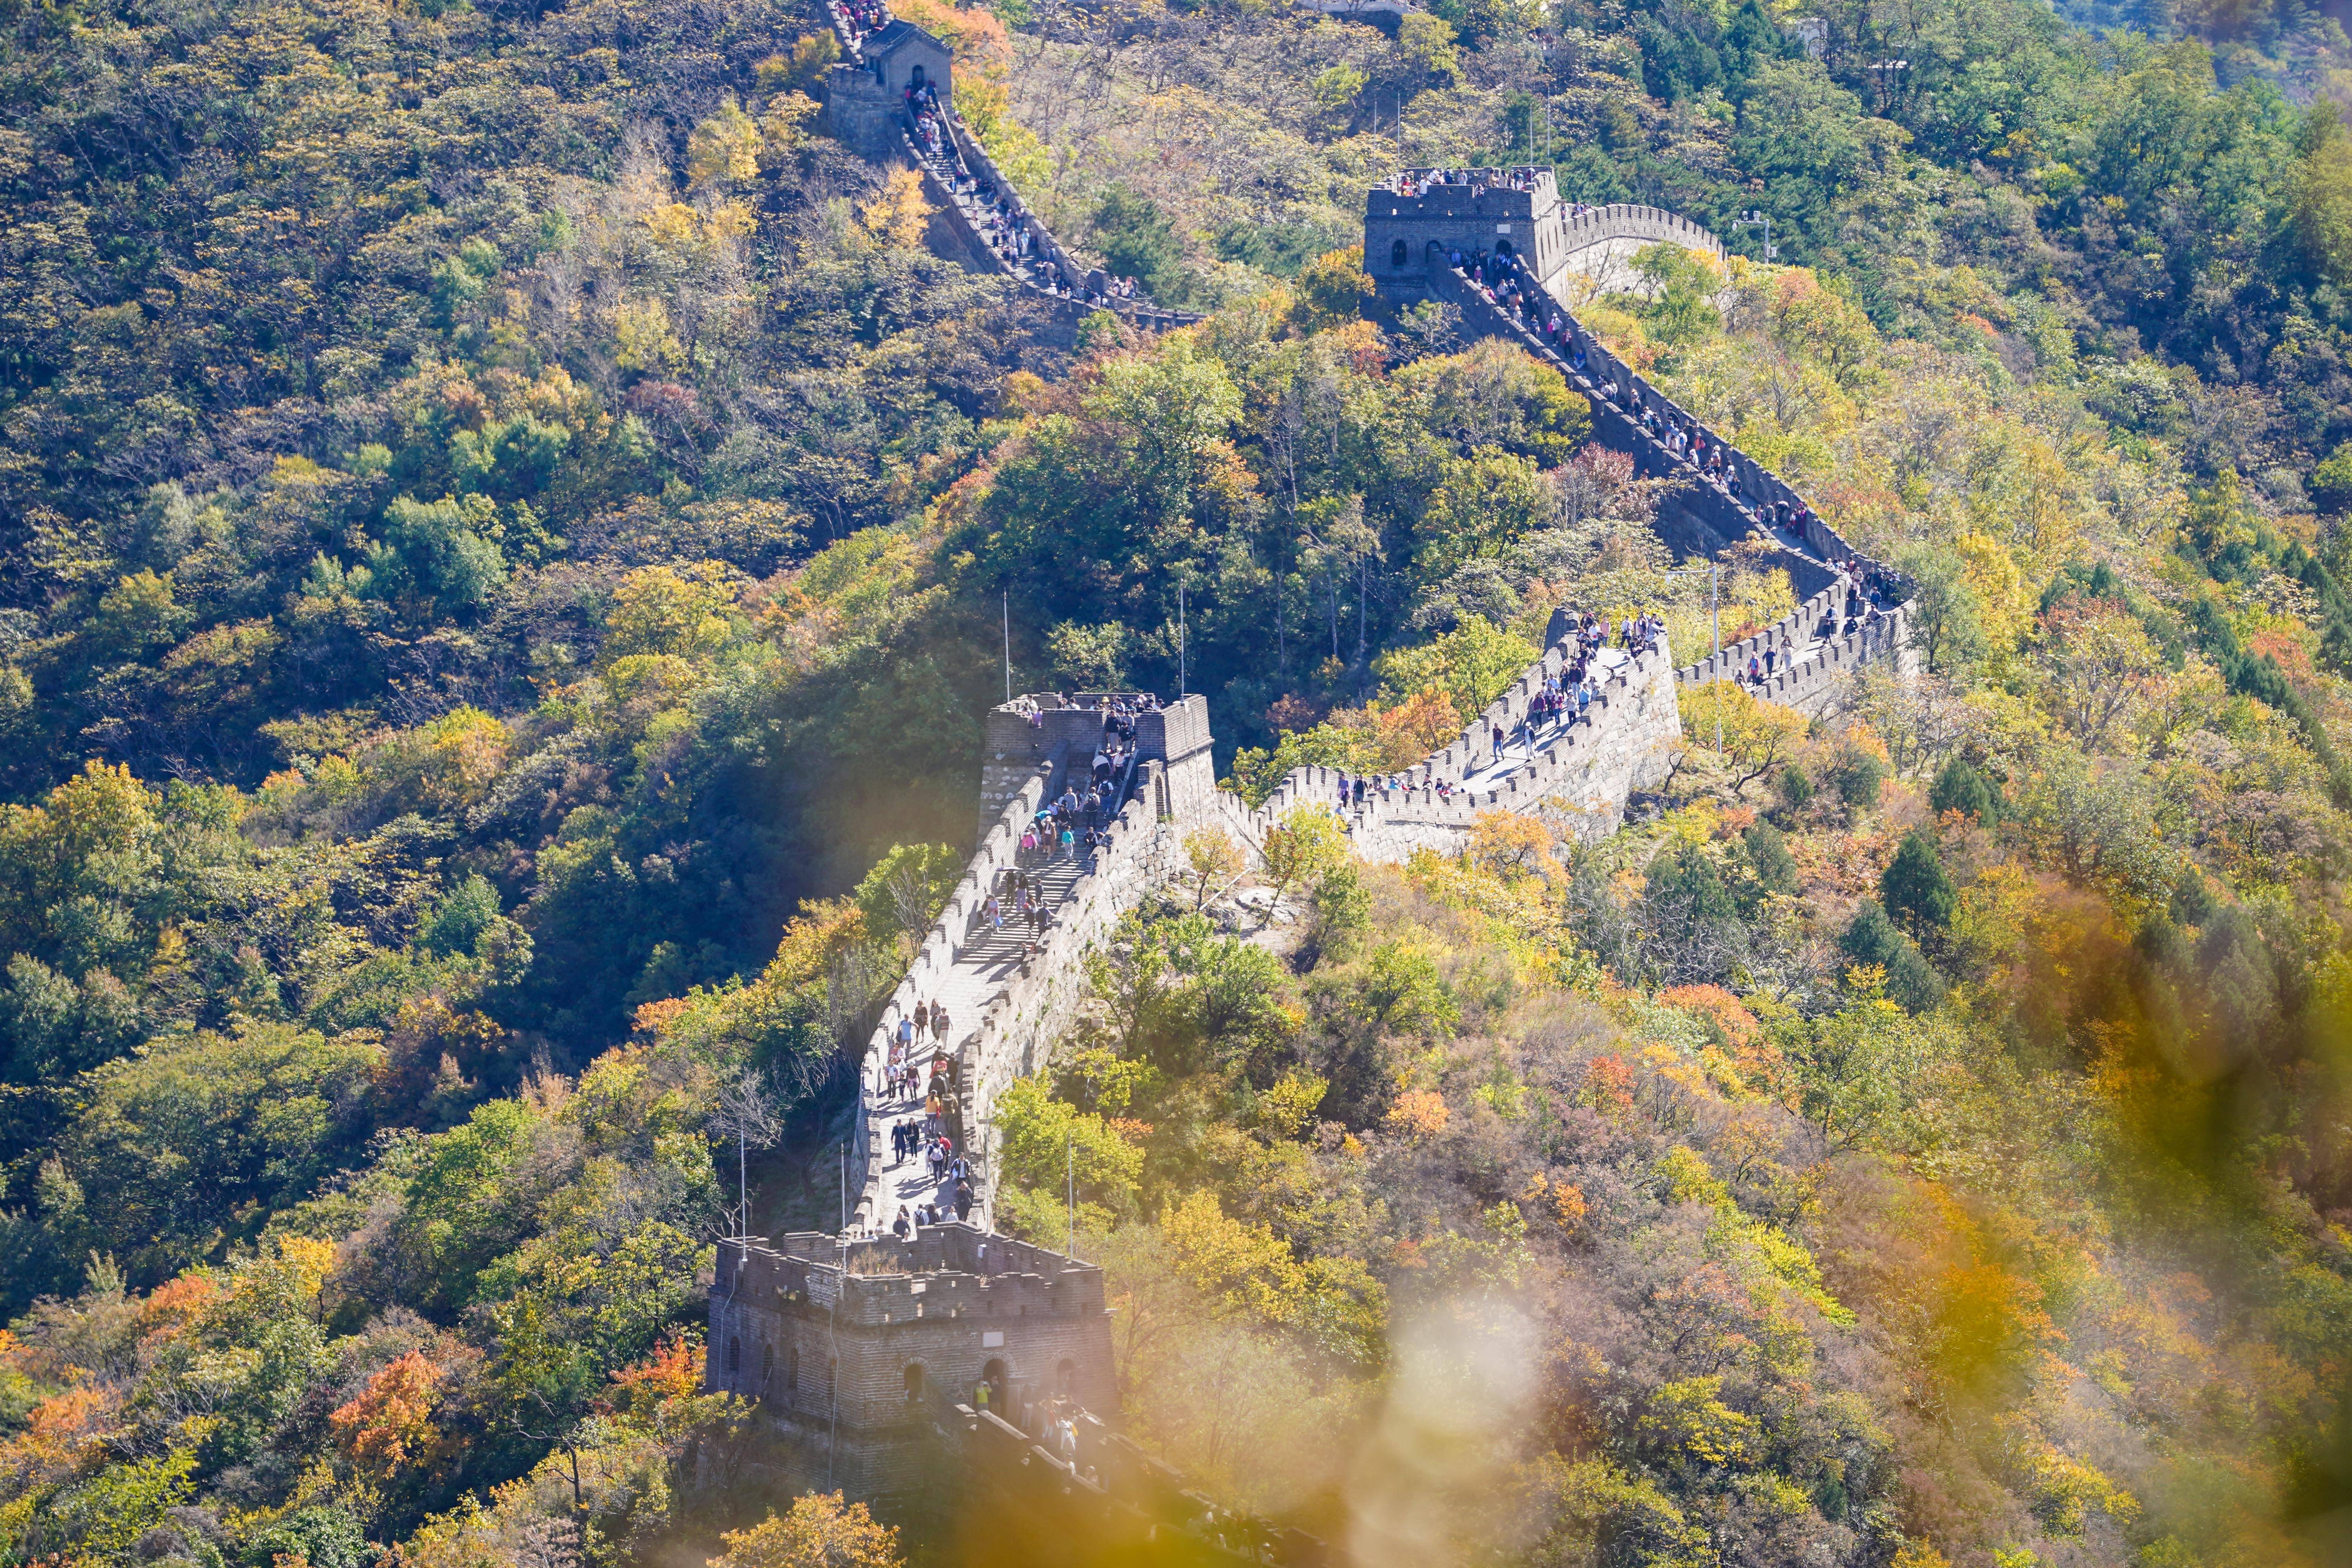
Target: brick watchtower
[860, 1351]
[1411, 223]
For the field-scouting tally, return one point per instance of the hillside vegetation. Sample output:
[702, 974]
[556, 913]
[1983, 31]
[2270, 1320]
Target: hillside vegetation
[503, 532]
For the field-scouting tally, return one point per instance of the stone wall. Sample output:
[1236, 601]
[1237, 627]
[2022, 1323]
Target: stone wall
[999, 848]
[1470, 215]
[1816, 685]
[1144, 843]
[1483, 211]
[826, 1352]
[868, 114]
[1701, 515]
[1622, 745]
[1621, 221]
[1017, 1035]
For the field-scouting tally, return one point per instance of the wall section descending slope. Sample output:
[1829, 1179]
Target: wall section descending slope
[1855, 610]
[979, 217]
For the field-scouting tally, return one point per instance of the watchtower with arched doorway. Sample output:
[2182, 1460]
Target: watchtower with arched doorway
[864, 1347]
[905, 59]
[1412, 223]
[866, 98]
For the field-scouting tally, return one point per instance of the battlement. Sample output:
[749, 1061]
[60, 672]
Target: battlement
[855, 1342]
[948, 1272]
[1413, 226]
[1494, 192]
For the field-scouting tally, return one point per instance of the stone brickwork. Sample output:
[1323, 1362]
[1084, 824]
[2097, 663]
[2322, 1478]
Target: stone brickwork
[865, 110]
[1587, 773]
[856, 1347]
[1814, 684]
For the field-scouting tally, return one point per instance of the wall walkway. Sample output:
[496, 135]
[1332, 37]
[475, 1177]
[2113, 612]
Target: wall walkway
[1704, 513]
[955, 182]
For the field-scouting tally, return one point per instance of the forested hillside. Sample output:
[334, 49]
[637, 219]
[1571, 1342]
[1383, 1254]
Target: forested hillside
[506, 533]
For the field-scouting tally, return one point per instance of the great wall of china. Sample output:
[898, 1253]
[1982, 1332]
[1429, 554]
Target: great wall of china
[959, 1307]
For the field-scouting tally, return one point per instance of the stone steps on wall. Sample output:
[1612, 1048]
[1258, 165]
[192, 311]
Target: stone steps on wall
[1820, 549]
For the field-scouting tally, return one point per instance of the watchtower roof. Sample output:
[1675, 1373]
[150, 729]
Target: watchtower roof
[896, 37]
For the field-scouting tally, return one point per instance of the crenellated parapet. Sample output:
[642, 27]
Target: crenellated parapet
[1854, 608]
[858, 1348]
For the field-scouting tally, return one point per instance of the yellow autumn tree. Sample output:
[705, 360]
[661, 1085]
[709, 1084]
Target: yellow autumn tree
[897, 214]
[819, 1530]
[723, 150]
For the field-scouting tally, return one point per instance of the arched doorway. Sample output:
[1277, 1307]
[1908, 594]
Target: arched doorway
[1398, 254]
[914, 1380]
[993, 1378]
[1502, 247]
[1066, 1378]
[915, 79]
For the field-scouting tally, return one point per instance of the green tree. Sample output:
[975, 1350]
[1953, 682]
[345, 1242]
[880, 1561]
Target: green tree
[199, 1139]
[1333, 287]
[435, 559]
[1043, 1139]
[1959, 787]
[1871, 939]
[460, 919]
[1916, 888]
[1768, 859]
[1307, 845]
[1855, 1071]
[2322, 218]
[2331, 481]
[906, 890]
[1945, 624]
[1089, 659]
[1139, 241]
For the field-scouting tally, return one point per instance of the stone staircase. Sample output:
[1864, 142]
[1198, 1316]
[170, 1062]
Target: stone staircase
[969, 966]
[1817, 645]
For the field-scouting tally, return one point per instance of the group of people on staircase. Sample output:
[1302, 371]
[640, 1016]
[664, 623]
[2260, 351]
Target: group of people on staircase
[1010, 233]
[860, 19]
[1019, 897]
[927, 1136]
[1504, 280]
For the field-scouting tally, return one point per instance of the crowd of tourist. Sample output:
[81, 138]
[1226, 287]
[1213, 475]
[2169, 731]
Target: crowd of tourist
[909, 1079]
[1505, 281]
[1417, 182]
[1863, 594]
[860, 19]
[994, 213]
[1565, 698]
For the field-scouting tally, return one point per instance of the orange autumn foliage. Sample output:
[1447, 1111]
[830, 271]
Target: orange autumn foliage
[393, 1416]
[176, 1304]
[1418, 1113]
[674, 1371]
[1609, 1086]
